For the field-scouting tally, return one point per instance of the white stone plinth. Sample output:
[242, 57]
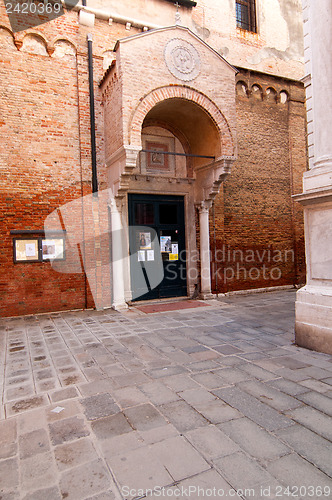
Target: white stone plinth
[313, 325]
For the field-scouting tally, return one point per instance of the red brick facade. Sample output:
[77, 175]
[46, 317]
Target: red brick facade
[259, 229]
[46, 160]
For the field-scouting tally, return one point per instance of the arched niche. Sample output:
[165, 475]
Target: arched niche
[271, 94]
[6, 39]
[242, 89]
[257, 92]
[34, 44]
[63, 48]
[283, 96]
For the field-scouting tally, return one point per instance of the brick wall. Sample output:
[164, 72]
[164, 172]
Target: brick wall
[258, 228]
[45, 159]
[41, 167]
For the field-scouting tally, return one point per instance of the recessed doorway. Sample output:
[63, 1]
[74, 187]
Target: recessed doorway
[157, 246]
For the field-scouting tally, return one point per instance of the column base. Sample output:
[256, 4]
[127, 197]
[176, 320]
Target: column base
[120, 307]
[206, 296]
[313, 321]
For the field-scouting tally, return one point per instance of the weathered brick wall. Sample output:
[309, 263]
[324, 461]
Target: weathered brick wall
[40, 169]
[113, 127]
[259, 229]
[42, 158]
[45, 158]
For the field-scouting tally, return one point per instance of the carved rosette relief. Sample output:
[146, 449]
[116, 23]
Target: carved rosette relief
[182, 59]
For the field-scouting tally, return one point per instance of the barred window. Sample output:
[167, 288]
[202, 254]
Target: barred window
[246, 15]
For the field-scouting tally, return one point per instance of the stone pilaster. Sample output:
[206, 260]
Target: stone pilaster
[118, 257]
[313, 328]
[204, 208]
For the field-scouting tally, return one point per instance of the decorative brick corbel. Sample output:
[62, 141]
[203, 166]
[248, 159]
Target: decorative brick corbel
[50, 50]
[209, 178]
[18, 44]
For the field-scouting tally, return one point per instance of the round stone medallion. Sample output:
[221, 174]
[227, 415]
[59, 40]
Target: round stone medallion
[182, 59]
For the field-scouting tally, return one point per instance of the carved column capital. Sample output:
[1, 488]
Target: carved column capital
[204, 206]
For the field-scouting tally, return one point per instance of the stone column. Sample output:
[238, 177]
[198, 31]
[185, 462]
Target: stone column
[313, 328]
[118, 257]
[204, 239]
[320, 17]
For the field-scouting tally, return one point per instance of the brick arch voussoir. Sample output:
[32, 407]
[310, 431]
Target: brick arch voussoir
[177, 91]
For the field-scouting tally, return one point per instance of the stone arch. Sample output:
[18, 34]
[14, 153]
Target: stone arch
[271, 94]
[63, 47]
[7, 38]
[257, 91]
[34, 43]
[283, 96]
[242, 88]
[188, 94]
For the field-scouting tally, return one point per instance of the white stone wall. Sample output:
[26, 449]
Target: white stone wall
[313, 327]
[307, 82]
[276, 48]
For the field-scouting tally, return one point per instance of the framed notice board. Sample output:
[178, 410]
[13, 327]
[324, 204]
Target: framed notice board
[38, 249]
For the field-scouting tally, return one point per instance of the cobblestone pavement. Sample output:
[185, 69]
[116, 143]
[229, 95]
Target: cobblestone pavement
[196, 403]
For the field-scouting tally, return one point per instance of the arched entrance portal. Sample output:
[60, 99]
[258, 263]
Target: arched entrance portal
[169, 131]
[179, 168]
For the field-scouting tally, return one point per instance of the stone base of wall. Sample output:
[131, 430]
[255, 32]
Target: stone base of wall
[313, 327]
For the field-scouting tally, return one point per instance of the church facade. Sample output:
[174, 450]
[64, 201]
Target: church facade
[150, 150]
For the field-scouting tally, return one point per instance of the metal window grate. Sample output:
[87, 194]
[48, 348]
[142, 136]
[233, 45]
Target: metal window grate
[246, 15]
[184, 3]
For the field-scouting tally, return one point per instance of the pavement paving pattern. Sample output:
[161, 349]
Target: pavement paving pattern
[211, 402]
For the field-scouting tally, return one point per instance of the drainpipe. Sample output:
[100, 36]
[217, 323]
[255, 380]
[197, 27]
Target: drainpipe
[215, 250]
[92, 117]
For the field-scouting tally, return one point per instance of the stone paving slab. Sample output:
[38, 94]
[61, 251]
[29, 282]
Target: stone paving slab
[139, 469]
[318, 401]
[252, 408]
[309, 445]
[100, 405]
[314, 420]
[253, 439]
[292, 470]
[269, 395]
[183, 416]
[212, 442]
[179, 458]
[241, 471]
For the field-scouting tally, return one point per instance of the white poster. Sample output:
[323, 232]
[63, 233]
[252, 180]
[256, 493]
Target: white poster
[165, 244]
[141, 255]
[30, 249]
[48, 249]
[175, 248]
[150, 255]
[53, 249]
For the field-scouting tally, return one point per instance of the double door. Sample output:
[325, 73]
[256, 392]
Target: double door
[157, 246]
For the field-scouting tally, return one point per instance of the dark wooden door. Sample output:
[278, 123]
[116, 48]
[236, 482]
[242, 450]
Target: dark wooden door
[157, 246]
